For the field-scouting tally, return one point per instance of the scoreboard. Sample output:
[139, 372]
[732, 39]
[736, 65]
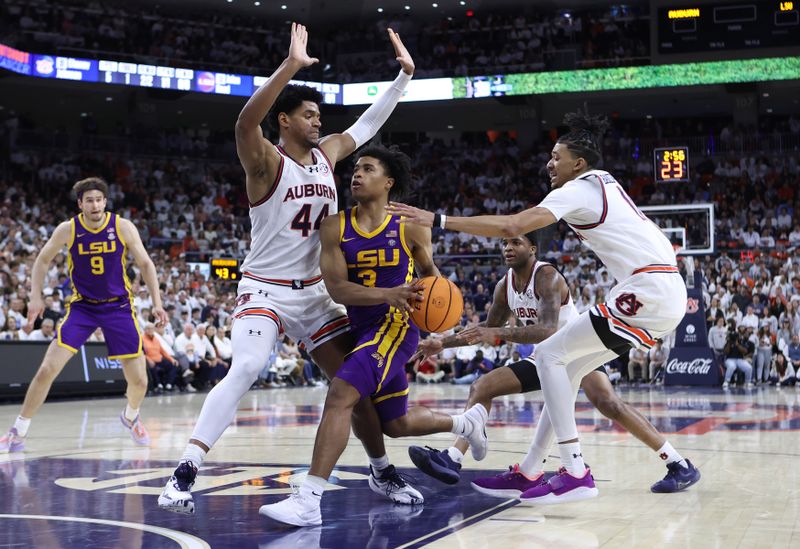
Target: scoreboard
[225, 269]
[671, 164]
[685, 28]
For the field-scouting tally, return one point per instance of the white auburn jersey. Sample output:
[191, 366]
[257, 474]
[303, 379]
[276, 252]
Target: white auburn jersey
[525, 305]
[602, 214]
[285, 223]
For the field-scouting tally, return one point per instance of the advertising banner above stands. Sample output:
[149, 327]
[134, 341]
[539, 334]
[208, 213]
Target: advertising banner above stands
[423, 89]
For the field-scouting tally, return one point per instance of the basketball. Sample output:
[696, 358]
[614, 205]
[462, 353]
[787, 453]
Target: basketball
[441, 305]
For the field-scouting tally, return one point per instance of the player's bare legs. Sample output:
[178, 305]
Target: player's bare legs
[334, 427]
[366, 424]
[601, 394]
[54, 361]
[136, 378]
[135, 370]
[422, 421]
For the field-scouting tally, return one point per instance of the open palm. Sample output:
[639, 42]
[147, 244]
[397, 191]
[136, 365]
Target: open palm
[298, 45]
[403, 57]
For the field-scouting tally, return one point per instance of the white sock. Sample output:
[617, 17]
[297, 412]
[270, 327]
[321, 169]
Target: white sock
[195, 454]
[313, 488]
[379, 464]
[455, 454]
[533, 464]
[572, 458]
[670, 455]
[21, 424]
[460, 424]
[131, 413]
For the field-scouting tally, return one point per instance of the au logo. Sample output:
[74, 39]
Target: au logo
[692, 306]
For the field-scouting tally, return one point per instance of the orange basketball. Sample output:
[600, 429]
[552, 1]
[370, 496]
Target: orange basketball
[441, 305]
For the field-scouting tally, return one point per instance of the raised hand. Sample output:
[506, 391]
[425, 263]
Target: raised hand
[403, 57]
[410, 214]
[298, 45]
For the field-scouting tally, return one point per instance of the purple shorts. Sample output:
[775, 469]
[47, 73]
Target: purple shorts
[376, 367]
[120, 329]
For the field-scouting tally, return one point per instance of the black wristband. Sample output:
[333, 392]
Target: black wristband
[437, 220]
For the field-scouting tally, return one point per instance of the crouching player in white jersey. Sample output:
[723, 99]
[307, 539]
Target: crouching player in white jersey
[648, 302]
[535, 293]
[291, 189]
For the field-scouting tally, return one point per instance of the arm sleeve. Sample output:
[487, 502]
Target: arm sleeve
[378, 113]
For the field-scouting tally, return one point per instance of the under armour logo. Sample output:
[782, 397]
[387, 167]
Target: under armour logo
[627, 304]
[663, 455]
[254, 332]
[576, 456]
[297, 285]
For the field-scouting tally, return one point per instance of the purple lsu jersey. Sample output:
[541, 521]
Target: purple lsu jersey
[97, 261]
[380, 258]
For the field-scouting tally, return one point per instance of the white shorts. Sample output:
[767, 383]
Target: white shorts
[305, 312]
[645, 306]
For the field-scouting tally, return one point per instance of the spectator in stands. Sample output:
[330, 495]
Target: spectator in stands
[45, 333]
[750, 319]
[475, 368]
[783, 372]
[213, 368]
[763, 356]
[793, 352]
[427, 370]
[714, 313]
[162, 368]
[658, 360]
[738, 356]
[222, 343]
[717, 338]
[637, 358]
[12, 332]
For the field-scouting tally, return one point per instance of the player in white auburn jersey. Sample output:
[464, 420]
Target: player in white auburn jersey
[648, 301]
[290, 187]
[537, 295]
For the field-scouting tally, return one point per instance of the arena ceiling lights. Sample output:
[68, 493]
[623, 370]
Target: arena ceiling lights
[424, 89]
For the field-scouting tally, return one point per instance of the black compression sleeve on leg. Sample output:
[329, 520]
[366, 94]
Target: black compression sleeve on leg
[525, 370]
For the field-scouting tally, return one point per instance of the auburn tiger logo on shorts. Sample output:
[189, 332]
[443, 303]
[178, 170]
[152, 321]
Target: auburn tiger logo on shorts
[242, 299]
[628, 305]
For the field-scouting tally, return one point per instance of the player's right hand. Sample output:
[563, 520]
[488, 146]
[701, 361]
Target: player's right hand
[298, 46]
[401, 297]
[35, 309]
[403, 57]
[430, 346]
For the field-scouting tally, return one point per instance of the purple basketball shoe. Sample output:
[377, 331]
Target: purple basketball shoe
[562, 488]
[509, 484]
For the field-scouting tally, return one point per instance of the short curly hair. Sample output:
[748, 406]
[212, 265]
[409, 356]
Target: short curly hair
[289, 99]
[397, 165]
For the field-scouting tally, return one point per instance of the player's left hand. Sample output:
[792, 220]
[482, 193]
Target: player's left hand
[162, 318]
[403, 57]
[410, 214]
[478, 334]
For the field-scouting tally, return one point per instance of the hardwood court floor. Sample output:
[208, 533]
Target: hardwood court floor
[82, 482]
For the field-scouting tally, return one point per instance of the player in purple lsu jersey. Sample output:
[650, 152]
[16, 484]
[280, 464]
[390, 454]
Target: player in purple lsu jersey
[97, 243]
[367, 261]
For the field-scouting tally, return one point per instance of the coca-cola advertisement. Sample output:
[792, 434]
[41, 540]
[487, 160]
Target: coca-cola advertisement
[691, 366]
[692, 330]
